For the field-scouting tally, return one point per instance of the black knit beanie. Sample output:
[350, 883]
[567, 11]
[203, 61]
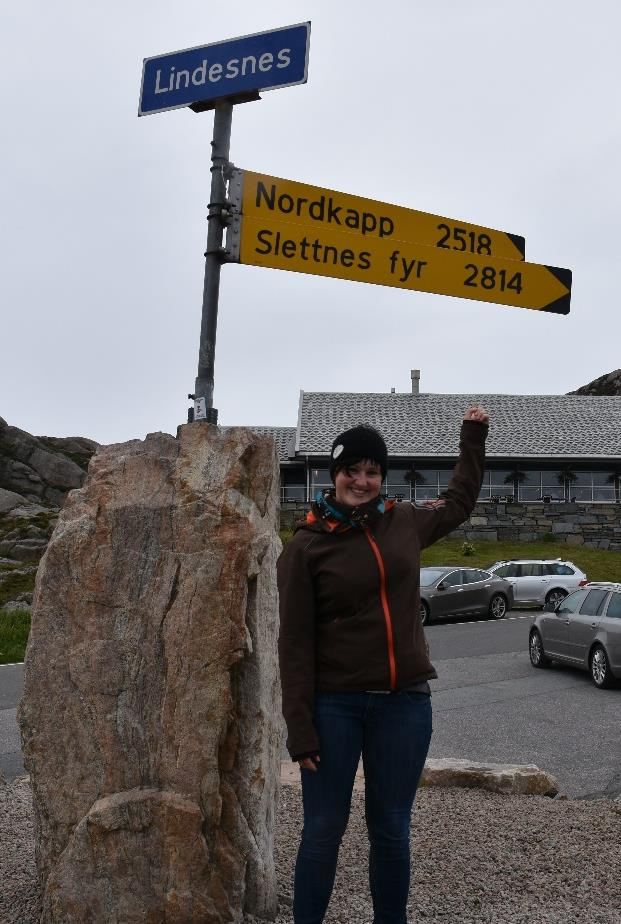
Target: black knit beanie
[362, 442]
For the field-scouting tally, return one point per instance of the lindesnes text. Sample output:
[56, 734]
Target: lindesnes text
[181, 79]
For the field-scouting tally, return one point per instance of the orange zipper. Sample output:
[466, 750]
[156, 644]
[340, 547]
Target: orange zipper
[385, 608]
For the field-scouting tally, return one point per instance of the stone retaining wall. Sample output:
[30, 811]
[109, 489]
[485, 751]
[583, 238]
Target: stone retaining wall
[594, 525]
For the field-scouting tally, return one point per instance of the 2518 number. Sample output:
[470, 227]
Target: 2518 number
[460, 239]
[487, 277]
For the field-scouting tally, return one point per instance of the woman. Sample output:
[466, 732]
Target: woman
[354, 661]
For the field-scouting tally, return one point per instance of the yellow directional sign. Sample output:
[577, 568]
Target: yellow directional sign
[268, 198]
[388, 261]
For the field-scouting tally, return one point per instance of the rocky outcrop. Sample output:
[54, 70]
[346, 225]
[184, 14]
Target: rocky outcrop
[25, 530]
[42, 469]
[150, 718]
[36, 473]
[9, 500]
[609, 384]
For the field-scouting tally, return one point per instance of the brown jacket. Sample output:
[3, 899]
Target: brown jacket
[349, 598]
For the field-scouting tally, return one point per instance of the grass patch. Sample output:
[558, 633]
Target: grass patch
[14, 584]
[598, 564]
[14, 629]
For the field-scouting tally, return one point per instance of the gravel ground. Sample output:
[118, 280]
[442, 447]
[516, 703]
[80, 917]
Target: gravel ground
[19, 895]
[476, 857]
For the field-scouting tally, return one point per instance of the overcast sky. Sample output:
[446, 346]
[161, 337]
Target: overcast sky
[502, 114]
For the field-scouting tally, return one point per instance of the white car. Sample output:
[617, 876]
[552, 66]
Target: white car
[538, 582]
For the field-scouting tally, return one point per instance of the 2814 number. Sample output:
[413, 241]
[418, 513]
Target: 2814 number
[488, 277]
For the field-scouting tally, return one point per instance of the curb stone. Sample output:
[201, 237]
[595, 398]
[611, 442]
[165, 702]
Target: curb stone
[507, 779]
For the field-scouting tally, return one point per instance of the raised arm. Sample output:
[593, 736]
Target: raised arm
[456, 503]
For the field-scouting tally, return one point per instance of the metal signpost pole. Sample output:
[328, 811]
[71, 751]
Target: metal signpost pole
[203, 389]
[218, 76]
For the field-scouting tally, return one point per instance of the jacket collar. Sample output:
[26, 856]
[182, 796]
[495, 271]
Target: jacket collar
[338, 517]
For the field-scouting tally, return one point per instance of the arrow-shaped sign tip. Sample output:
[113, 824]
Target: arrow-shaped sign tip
[560, 305]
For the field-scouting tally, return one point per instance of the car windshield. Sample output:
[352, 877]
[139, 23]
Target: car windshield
[431, 575]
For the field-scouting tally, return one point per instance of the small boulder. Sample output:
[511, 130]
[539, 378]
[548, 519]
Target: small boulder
[510, 779]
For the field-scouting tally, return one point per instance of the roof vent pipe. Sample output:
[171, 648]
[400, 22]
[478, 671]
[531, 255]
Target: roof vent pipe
[415, 376]
[392, 391]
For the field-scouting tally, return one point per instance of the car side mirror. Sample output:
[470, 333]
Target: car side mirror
[441, 586]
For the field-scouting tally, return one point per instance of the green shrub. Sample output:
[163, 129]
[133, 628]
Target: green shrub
[467, 548]
[549, 537]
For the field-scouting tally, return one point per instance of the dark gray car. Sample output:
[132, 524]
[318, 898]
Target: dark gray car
[454, 591]
[583, 630]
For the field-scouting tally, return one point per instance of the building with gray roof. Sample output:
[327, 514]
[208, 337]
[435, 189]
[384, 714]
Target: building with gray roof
[540, 447]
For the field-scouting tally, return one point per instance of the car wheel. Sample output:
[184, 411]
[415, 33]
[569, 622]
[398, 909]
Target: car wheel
[425, 615]
[538, 657]
[497, 606]
[555, 596]
[600, 668]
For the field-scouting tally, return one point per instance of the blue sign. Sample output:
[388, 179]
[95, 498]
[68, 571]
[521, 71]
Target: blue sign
[235, 67]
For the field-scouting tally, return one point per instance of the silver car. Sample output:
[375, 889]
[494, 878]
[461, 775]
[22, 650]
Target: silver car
[454, 591]
[537, 581]
[583, 630]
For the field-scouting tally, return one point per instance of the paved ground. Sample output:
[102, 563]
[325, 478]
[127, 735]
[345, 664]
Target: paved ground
[489, 705]
[11, 764]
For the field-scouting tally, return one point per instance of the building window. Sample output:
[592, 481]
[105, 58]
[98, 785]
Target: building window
[540, 486]
[289, 493]
[408, 484]
[397, 484]
[593, 487]
[427, 484]
[497, 483]
[292, 485]
[320, 480]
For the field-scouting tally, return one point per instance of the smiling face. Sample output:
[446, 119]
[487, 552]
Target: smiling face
[358, 483]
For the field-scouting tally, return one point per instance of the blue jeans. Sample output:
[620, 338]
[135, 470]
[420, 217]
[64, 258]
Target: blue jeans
[392, 731]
